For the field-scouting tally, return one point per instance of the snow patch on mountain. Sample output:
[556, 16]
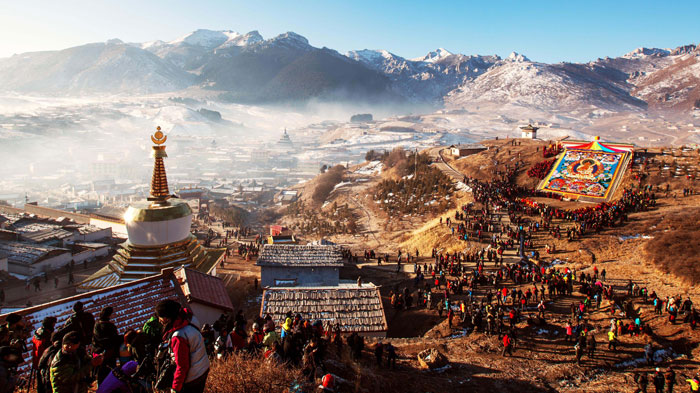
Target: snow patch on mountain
[544, 86]
[517, 57]
[645, 52]
[206, 38]
[434, 56]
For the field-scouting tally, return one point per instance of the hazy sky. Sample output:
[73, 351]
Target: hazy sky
[549, 31]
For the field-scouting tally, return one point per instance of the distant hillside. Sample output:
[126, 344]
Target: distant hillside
[109, 67]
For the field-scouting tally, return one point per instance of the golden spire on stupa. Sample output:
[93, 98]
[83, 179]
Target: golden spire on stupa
[159, 182]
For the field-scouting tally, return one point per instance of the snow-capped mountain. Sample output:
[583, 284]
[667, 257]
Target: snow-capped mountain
[676, 86]
[548, 86]
[287, 67]
[427, 78]
[194, 49]
[248, 68]
[436, 55]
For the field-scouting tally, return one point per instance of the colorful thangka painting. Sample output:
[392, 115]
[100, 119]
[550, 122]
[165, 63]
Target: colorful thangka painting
[584, 172]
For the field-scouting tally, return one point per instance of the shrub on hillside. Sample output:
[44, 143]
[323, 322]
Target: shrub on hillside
[326, 182]
[405, 162]
[233, 215]
[428, 191]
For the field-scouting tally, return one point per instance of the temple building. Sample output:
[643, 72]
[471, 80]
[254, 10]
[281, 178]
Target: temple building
[285, 143]
[306, 280]
[159, 235]
[529, 132]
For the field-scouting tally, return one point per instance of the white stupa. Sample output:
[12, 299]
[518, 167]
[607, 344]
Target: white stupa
[159, 235]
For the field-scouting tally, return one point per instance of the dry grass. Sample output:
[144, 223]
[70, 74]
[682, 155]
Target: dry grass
[241, 373]
[675, 247]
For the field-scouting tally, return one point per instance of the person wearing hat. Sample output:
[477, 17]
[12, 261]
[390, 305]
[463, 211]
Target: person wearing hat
[10, 358]
[271, 336]
[286, 327]
[81, 322]
[694, 383]
[256, 337]
[71, 366]
[106, 340]
[659, 381]
[185, 347]
[327, 384]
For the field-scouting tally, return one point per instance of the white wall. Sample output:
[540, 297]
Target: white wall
[97, 235]
[154, 233]
[205, 313]
[54, 262]
[90, 254]
[115, 228]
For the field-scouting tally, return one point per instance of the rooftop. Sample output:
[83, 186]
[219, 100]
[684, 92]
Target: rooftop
[300, 256]
[356, 309]
[133, 304]
[26, 253]
[203, 288]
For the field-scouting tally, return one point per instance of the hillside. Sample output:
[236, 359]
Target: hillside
[653, 248]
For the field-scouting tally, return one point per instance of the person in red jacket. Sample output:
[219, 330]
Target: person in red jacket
[185, 348]
[238, 338]
[40, 342]
[507, 345]
[42, 339]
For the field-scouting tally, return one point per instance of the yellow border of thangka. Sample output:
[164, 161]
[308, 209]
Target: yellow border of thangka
[613, 182]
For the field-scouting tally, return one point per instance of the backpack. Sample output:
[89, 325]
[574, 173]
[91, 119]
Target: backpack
[165, 367]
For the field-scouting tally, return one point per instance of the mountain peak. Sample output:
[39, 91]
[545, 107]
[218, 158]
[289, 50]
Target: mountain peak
[684, 50]
[433, 56]
[517, 57]
[236, 39]
[205, 38]
[370, 55]
[292, 37]
[114, 41]
[642, 52]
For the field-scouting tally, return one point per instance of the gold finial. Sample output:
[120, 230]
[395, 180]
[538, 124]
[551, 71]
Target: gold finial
[158, 138]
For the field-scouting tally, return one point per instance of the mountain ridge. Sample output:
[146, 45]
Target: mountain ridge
[249, 68]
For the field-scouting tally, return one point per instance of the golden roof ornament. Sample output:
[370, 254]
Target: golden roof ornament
[159, 181]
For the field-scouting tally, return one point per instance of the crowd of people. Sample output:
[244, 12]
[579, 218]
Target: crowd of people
[540, 169]
[170, 352]
[166, 354]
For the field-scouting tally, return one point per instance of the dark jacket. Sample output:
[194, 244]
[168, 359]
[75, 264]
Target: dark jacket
[44, 368]
[8, 379]
[81, 322]
[70, 372]
[105, 337]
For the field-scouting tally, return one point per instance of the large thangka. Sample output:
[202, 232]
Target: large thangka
[588, 170]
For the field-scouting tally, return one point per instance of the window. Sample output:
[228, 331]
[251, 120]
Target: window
[287, 282]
